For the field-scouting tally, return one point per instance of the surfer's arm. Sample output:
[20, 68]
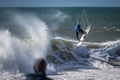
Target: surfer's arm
[78, 22]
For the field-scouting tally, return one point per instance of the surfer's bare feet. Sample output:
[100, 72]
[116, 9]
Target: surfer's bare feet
[79, 40]
[85, 33]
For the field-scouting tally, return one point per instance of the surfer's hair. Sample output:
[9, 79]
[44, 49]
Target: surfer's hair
[40, 66]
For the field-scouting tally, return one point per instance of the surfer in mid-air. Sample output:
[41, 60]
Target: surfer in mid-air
[78, 30]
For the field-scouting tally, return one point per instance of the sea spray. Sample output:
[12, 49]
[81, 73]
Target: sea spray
[56, 19]
[14, 54]
[17, 54]
[37, 32]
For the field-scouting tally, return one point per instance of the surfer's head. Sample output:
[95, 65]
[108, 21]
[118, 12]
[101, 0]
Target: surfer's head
[40, 66]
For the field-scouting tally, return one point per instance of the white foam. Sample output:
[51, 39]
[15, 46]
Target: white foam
[17, 54]
[87, 74]
[107, 43]
[13, 53]
[65, 39]
[51, 69]
[100, 55]
[37, 31]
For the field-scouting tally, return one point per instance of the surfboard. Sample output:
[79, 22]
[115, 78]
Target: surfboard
[83, 36]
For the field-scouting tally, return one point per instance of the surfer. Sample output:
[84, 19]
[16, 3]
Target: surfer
[78, 30]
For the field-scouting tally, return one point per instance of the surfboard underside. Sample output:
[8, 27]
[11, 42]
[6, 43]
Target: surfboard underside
[83, 36]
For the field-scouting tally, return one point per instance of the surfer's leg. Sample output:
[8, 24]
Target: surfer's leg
[77, 36]
[80, 30]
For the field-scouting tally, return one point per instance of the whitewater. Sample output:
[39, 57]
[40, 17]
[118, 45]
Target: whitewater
[25, 37]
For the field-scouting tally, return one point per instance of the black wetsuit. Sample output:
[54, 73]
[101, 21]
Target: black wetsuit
[78, 30]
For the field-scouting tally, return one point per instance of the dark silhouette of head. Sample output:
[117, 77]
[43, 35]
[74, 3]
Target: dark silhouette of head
[40, 69]
[40, 66]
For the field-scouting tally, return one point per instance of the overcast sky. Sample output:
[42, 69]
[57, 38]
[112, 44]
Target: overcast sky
[59, 3]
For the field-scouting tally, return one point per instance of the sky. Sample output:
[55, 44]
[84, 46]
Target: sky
[59, 3]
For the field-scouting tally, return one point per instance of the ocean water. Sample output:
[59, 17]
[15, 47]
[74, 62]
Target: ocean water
[48, 32]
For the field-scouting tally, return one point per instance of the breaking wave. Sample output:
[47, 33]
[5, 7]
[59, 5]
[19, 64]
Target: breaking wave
[99, 55]
[19, 54]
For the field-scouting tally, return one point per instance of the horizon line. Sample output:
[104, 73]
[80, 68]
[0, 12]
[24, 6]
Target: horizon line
[58, 6]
